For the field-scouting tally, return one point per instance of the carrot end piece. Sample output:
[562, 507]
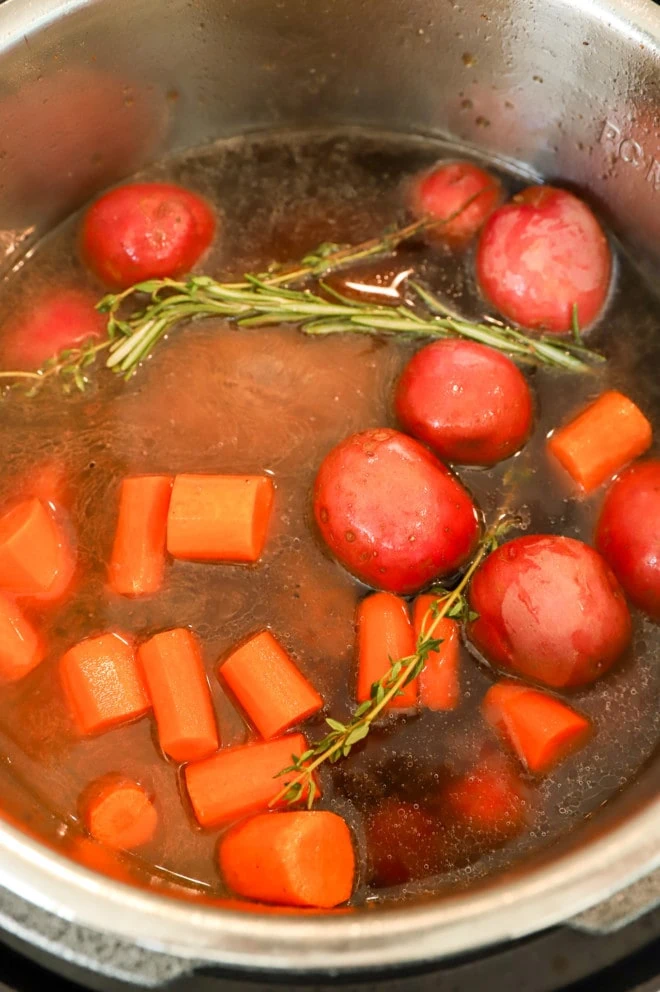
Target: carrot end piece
[290, 859]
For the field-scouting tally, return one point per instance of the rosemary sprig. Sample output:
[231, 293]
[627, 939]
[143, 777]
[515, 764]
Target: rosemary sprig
[268, 299]
[341, 739]
[259, 304]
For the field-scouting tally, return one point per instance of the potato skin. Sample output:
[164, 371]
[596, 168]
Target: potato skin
[628, 534]
[550, 610]
[469, 403]
[391, 513]
[145, 231]
[443, 190]
[541, 254]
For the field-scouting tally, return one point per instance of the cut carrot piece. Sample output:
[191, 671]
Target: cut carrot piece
[21, 648]
[118, 813]
[269, 687]
[240, 780]
[35, 559]
[102, 684]
[601, 440]
[541, 729]
[219, 517]
[173, 670]
[138, 554]
[385, 635]
[439, 686]
[290, 859]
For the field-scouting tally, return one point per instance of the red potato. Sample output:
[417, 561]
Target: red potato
[56, 321]
[550, 610]
[391, 512]
[445, 189]
[628, 534]
[489, 800]
[145, 231]
[404, 842]
[540, 255]
[468, 402]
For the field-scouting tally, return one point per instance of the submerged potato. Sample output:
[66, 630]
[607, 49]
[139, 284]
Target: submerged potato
[461, 195]
[391, 512]
[549, 609]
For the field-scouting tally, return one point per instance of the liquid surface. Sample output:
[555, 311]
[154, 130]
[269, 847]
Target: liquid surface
[217, 399]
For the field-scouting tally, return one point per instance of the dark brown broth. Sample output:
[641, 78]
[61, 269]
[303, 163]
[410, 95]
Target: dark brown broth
[215, 399]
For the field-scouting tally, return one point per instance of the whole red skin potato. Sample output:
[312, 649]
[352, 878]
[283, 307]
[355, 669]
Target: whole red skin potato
[490, 801]
[145, 231]
[442, 192]
[550, 609]
[405, 841]
[56, 321]
[541, 254]
[628, 534]
[391, 513]
[469, 403]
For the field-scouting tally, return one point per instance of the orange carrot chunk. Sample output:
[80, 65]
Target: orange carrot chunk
[219, 517]
[102, 684]
[138, 553]
[601, 440]
[118, 813]
[385, 635]
[538, 727]
[240, 780]
[21, 648]
[290, 859]
[439, 686]
[35, 558]
[269, 687]
[173, 670]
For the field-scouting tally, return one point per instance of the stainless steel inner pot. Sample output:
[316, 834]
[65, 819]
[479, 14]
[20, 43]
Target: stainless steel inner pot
[91, 90]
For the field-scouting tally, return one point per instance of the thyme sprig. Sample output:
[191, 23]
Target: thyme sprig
[341, 739]
[69, 367]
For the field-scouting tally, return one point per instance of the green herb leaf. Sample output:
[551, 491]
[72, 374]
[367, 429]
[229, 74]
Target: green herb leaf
[336, 725]
[357, 734]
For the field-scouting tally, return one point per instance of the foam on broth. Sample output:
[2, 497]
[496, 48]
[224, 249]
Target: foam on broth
[217, 399]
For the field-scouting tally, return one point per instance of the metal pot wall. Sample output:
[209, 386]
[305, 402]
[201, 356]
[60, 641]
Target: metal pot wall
[90, 90]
